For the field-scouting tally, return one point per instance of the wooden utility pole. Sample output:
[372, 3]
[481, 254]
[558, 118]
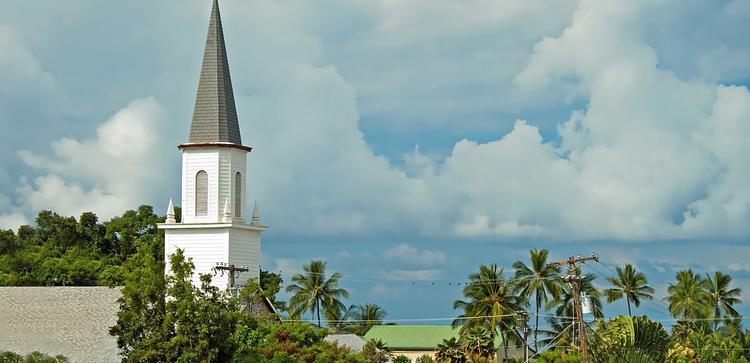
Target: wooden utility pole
[522, 318]
[575, 282]
[232, 270]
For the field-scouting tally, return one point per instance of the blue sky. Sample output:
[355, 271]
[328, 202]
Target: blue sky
[404, 142]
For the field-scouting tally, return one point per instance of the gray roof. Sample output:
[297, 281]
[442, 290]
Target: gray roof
[72, 321]
[215, 115]
[351, 341]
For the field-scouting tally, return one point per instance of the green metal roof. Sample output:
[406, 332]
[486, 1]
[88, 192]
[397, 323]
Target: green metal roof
[412, 337]
[415, 337]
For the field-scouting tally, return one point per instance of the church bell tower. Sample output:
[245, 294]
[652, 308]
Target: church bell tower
[213, 230]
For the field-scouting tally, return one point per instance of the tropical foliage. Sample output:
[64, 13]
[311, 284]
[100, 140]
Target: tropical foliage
[629, 335]
[450, 351]
[33, 357]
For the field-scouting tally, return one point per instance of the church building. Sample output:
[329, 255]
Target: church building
[214, 231]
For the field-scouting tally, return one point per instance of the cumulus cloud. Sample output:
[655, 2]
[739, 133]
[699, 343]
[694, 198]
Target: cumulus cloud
[118, 169]
[649, 154]
[637, 162]
[411, 255]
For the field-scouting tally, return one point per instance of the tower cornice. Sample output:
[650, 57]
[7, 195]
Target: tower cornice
[197, 145]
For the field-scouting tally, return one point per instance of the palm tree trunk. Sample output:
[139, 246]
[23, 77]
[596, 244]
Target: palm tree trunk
[505, 346]
[628, 300]
[536, 326]
[317, 307]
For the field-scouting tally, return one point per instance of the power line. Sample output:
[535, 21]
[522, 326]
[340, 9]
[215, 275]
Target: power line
[644, 300]
[406, 319]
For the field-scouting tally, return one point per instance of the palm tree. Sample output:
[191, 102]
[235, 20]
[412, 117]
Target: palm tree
[313, 291]
[686, 297]
[631, 284]
[478, 344]
[491, 302]
[540, 280]
[338, 320]
[367, 315]
[450, 351]
[721, 297]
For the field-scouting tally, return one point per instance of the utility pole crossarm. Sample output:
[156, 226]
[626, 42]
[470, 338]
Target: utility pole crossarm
[232, 270]
[571, 261]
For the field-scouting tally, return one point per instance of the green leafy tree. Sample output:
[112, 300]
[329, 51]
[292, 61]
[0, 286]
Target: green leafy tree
[122, 232]
[63, 251]
[630, 284]
[287, 342]
[271, 283]
[313, 291]
[687, 297]
[140, 328]
[201, 319]
[33, 357]
[169, 319]
[712, 347]
[721, 296]
[376, 351]
[558, 356]
[540, 280]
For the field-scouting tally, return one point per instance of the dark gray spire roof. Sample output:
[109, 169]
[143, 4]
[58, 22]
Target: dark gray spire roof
[215, 116]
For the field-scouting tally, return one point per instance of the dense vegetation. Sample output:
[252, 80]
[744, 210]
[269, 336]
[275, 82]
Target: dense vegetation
[61, 251]
[33, 357]
[169, 319]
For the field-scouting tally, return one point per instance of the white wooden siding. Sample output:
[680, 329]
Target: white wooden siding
[244, 249]
[205, 246]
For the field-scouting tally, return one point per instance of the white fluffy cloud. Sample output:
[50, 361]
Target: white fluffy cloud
[652, 154]
[411, 255]
[648, 157]
[121, 167]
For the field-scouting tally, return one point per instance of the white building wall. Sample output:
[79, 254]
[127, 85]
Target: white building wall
[244, 249]
[206, 247]
[232, 161]
[193, 161]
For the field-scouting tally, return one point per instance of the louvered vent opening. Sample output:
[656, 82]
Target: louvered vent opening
[201, 194]
[238, 194]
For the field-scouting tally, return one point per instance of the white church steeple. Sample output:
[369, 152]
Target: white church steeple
[213, 229]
